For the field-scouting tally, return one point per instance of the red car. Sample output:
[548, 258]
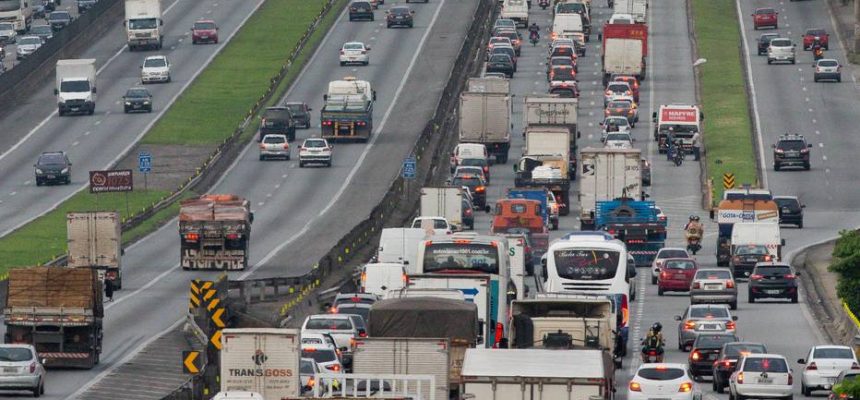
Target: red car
[676, 275]
[811, 34]
[763, 17]
[204, 31]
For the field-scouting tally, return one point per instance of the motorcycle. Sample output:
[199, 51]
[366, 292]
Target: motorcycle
[651, 356]
[694, 244]
[678, 157]
[543, 4]
[818, 53]
[534, 37]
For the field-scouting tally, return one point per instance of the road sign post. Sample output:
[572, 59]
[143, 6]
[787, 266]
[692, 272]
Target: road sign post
[144, 165]
[408, 172]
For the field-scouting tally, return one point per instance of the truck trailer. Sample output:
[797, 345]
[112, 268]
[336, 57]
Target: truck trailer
[607, 174]
[215, 232]
[262, 360]
[95, 241]
[485, 118]
[625, 50]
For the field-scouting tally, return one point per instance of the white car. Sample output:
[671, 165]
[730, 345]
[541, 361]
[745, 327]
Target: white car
[618, 140]
[342, 328]
[307, 369]
[616, 90]
[823, 365]
[662, 255]
[354, 53]
[619, 18]
[155, 69]
[621, 122]
[315, 150]
[438, 223]
[663, 381]
[27, 45]
[274, 146]
[761, 376]
[326, 357]
[321, 339]
[7, 32]
[21, 369]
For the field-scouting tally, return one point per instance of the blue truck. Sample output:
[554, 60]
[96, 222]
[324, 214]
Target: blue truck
[637, 223]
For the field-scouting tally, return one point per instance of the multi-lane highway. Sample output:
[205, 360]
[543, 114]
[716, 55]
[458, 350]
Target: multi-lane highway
[95, 142]
[299, 213]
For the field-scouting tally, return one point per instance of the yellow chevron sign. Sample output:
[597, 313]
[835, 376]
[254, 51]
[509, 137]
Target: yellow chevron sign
[216, 318]
[215, 340]
[728, 180]
[191, 362]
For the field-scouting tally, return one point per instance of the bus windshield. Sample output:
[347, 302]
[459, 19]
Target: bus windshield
[586, 265]
[455, 257]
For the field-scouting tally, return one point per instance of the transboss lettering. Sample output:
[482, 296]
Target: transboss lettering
[268, 372]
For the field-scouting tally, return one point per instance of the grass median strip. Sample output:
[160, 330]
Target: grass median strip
[728, 137]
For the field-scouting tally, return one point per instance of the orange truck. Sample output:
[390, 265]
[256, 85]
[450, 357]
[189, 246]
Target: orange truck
[519, 215]
[215, 232]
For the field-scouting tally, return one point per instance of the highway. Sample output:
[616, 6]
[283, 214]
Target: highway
[299, 213]
[95, 142]
[11, 61]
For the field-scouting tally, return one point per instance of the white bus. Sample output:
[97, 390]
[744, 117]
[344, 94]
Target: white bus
[17, 12]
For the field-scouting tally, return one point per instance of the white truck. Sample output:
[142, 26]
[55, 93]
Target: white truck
[551, 110]
[623, 56]
[547, 139]
[517, 10]
[94, 240]
[406, 355]
[637, 8]
[765, 233]
[400, 245]
[485, 118]
[143, 24]
[76, 86]
[567, 26]
[537, 374]
[489, 85]
[475, 288]
[17, 12]
[607, 174]
[262, 360]
[444, 202]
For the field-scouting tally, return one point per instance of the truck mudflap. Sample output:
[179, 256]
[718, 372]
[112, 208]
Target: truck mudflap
[498, 149]
[235, 260]
[335, 130]
[644, 253]
[540, 244]
[68, 359]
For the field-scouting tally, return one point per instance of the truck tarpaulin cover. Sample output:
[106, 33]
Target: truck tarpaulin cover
[51, 287]
[688, 115]
[215, 207]
[427, 317]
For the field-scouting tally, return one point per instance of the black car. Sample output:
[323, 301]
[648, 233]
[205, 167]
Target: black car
[790, 210]
[137, 99]
[277, 120]
[501, 63]
[483, 163]
[477, 186]
[764, 42]
[360, 9]
[744, 258]
[400, 16]
[791, 151]
[59, 19]
[53, 167]
[506, 50]
[85, 5]
[705, 350]
[468, 216]
[773, 280]
[301, 113]
[725, 365]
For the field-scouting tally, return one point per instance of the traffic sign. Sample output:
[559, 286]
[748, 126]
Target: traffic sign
[191, 362]
[197, 288]
[469, 291]
[144, 162]
[728, 180]
[216, 318]
[410, 168]
[215, 340]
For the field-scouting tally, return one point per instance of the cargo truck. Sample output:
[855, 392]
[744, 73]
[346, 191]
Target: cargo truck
[637, 8]
[446, 202]
[730, 212]
[262, 360]
[488, 85]
[516, 10]
[406, 355]
[95, 241]
[485, 118]
[400, 245]
[607, 174]
[546, 163]
[57, 310]
[625, 50]
[75, 86]
[762, 233]
[215, 232]
[537, 374]
[635, 222]
[552, 139]
[347, 111]
[143, 24]
[477, 289]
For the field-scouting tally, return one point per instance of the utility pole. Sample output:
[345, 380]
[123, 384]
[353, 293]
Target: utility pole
[856, 26]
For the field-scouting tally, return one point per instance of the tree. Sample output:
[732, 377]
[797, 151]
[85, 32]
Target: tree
[848, 389]
[846, 263]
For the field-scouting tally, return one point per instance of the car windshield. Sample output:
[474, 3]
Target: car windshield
[736, 350]
[306, 367]
[828, 63]
[660, 374]
[400, 11]
[155, 63]
[780, 43]
[314, 144]
[504, 50]
[354, 299]
[38, 29]
[772, 270]
[353, 46]
[474, 162]
[562, 74]
[52, 159]
[765, 364]
[59, 15]
[713, 274]
[786, 202]
[791, 144]
[320, 355]
[672, 254]
[136, 93]
[295, 108]
[562, 61]
[709, 312]
[618, 87]
[275, 139]
[337, 324]
[15, 354]
[470, 181]
[29, 41]
[751, 251]
[618, 104]
[143, 23]
[364, 312]
[816, 32]
[680, 264]
[204, 25]
[713, 341]
[617, 136]
[500, 58]
[7, 27]
[75, 86]
[833, 352]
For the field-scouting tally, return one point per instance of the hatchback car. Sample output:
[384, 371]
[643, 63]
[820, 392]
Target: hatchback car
[714, 285]
[155, 69]
[315, 151]
[53, 167]
[705, 351]
[501, 63]
[476, 162]
[614, 124]
[360, 9]
[726, 363]
[497, 40]
[204, 31]
[274, 146]
[341, 327]
[354, 53]
[277, 121]
[362, 310]
[764, 42]
[137, 99]
[744, 258]
[563, 50]
[463, 170]
[21, 369]
[827, 69]
[664, 254]
[615, 90]
[562, 73]
[43, 31]
[663, 381]
[703, 318]
[27, 45]
[676, 275]
[559, 61]
[765, 17]
[812, 33]
[781, 50]
[308, 368]
[761, 376]
[477, 186]
[790, 210]
[823, 365]
[301, 113]
[400, 16]
[516, 39]
[59, 19]
[630, 80]
[324, 356]
[773, 280]
[567, 89]
[509, 50]
[361, 298]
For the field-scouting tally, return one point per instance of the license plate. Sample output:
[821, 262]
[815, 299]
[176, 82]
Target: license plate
[204, 37]
[709, 327]
[315, 151]
[677, 276]
[773, 291]
[10, 370]
[136, 106]
[712, 356]
[712, 287]
[751, 260]
[399, 17]
[51, 176]
[765, 380]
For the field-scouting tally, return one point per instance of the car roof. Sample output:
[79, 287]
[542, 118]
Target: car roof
[354, 42]
[765, 355]
[663, 365]
[51, 153]
[830, 346]
[771, 9]
[322, 316]
[772, 264]
[158, 57]
[316, 346]
[724, 306]
[205, 20]
[829, 59]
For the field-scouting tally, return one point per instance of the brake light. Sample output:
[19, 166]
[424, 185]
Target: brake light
[736, 259]
[664, 274]
[811, 366]
[756, 277]
[790, 379]
[767, 258]
[32, 367]
[232, 236]
[324, 123]
[480, 189]
[333, 367]
[286, 146]
[740, 377]
[311, 382]
[689, 325]
[362, 334]
[697, 285]
[468, 212]
[855, 366]
[696, 356]
[625, 310]
[685, 387]
[364, 276]
[730, 284]
[727, 363]
[635, 386]
[730, 325]
[609, 93]
[192, 237]
[789, 276]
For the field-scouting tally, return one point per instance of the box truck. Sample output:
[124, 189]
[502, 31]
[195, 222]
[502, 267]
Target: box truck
[262, 360]
[607, 174]
[76, 86]
[95, 241]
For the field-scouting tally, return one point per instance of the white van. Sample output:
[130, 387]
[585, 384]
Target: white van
[400, 246]
[238, 395]
[759, 233]
[516, 10]
[467, 150]
[379, 278]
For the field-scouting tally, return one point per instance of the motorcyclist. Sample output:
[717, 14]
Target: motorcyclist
[654, 341]
[817, 49]
[534, 29]
[693, 229]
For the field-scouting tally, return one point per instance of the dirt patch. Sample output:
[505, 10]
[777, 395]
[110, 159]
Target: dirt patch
[172, 165]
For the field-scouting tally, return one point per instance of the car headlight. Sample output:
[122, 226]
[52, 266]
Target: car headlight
[146, 102]
[64, 171]
[38, 171]
[128, 103]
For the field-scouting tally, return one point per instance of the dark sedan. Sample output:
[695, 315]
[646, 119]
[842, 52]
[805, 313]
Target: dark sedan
[706, 349]
[400, 16]
[137, 99]
[790, 210]
[53, 167]
[764, 42]
[301, 113]
[725, 365]
[59, 19]
[501, 63]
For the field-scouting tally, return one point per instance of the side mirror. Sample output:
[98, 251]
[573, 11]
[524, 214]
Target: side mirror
[600, 123]
[677, 318]
[124, 23]
[711, 213]
[578, 134]
[325, 97]
[344, 348]
[448, 181]
[367, 48]
[94, 89]
[374, 95]
[809, 145]
[141, 67]
[654, 116]
[251, 217]
[803, 206]
[161, 22]
[633, 139]
[797, 273]
[412, 12]
[310, 109]
[633, 273]
[773, 146]
[734, 317]
[56, 92]
[801, 361]
[387, 12]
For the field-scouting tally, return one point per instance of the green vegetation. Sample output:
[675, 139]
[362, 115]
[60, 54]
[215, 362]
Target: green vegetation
[846, 262]
[728, 138]
[218, 101]
[156, 220]
[45, 238]
[849, 388]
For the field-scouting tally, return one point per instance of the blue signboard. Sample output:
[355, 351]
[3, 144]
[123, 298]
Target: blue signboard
[410, 168]
[144, 162]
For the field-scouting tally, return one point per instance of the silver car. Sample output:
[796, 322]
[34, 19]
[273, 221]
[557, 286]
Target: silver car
[274, 146]
[21, 369]
[703, 318]
[828, 69]
[714, 285]
[781, 49]
[7, 32]
[27, 45]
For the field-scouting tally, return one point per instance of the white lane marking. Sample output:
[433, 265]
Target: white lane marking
[75, 143]
[87, 133]
[814, 120]
[810, 110]
[360, 161]
[260, 204]
[99, 122]
[821, 145]
[756, 116]
[148, 126]
[824, 158]
[278, 186]
[13, 193]
[27, 182]
[817, 132]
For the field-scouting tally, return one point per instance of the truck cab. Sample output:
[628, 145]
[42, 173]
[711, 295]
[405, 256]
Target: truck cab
[143, 24]
[76, 86]
[519, 213]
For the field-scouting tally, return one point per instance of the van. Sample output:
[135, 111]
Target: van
[467, 150]
[567, 24]
[238, 395]
[379, 278]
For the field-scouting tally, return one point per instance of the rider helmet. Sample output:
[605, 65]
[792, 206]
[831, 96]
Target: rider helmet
[657, 327]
